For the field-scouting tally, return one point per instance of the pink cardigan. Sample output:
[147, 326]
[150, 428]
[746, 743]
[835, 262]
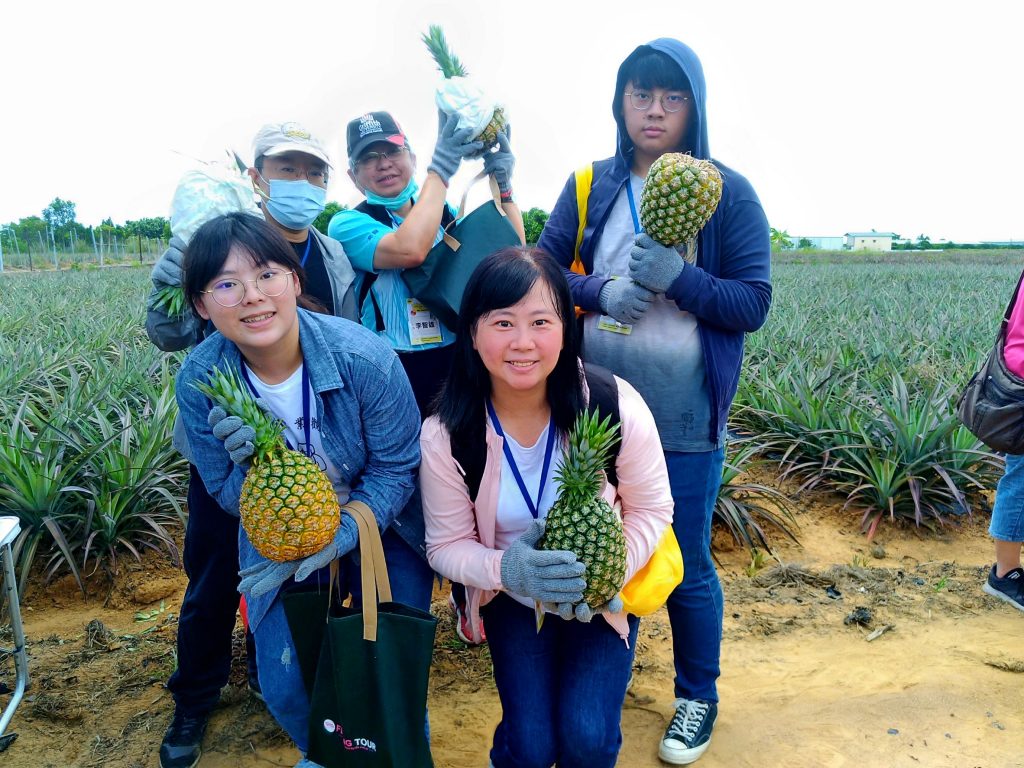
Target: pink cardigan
[460, 535]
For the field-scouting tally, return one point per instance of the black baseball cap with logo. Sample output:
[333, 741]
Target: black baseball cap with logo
[370, 128]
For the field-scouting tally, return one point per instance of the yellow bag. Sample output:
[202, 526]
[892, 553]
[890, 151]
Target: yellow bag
[650, 587]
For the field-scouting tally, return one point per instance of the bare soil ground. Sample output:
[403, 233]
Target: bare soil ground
[842, 652]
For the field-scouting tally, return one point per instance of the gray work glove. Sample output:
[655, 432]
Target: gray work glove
[654, 265]
[453, 145]
[624, 300]
[548, 576]
[266, 576]
[238, 437]
[344, 542]
[167, 271]
[500, 162]
[584, 612]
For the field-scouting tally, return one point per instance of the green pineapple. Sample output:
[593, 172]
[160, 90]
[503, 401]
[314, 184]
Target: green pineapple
[171, 301]
[680, 195]
[582, 522]
[288, 506]
[450, 67]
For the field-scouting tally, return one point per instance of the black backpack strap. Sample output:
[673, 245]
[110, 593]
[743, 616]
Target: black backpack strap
[471, 453]
[604, 399]
[379, 214]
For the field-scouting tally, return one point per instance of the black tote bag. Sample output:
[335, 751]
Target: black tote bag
[366, 670]
[440, 280]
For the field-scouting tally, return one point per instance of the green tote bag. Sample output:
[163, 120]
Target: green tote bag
[366, 670]
[440, 280]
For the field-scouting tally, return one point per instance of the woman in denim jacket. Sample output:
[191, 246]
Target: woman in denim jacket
[362, 427]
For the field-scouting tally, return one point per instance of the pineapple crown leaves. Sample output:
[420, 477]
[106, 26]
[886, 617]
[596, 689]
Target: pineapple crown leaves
[447, 61]
[586, 455]
[171, 301]
[226, 389]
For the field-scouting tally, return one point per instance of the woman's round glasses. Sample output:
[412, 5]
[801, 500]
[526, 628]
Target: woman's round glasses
[670, 102]
[230, 293]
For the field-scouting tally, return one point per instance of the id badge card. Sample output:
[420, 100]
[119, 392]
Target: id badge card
[424, 328]
[606, 323]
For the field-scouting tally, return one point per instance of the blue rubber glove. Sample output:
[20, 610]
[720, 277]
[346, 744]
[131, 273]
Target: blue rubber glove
[653, 265]
[500, 163]
[453, 145]
[344, 542]
[238, 437]
[168, 270]
[548, 576]
[624, 300]
[266, 576]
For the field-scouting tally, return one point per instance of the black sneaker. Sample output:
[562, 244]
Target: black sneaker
[689, 733]
[183, 742]
[1009, 588]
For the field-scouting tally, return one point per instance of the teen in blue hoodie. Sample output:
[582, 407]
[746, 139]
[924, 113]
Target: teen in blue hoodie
[674, 329]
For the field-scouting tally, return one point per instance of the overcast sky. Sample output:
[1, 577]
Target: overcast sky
[897, 116]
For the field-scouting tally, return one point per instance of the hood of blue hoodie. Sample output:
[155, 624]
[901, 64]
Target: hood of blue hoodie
[688, 62]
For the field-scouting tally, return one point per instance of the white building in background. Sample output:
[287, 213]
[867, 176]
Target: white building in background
[869, 241]
[818, 243]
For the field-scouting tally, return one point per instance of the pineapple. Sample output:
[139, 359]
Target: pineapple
[580, 521]
[680, 194]
[171, 301]
[451, 67]
[288, 506]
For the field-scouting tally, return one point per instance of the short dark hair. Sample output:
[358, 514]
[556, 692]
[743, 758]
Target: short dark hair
[501, 280]
[210, 245]
[647, 68]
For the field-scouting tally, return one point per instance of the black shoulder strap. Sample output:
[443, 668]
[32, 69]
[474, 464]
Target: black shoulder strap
[379, 214]
[604, 398]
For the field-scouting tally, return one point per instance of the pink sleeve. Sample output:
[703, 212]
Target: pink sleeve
[453, 545]
[1013, 349]
[643, 490]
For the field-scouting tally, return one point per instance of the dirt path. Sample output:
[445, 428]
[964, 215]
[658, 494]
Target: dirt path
[941, 685]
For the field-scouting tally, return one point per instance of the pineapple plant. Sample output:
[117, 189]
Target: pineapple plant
[680, 195]
[171, 301]
[288, 506]
[582, 522]
[461, 91]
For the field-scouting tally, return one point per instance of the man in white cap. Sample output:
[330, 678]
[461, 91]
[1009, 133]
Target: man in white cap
[289, 173]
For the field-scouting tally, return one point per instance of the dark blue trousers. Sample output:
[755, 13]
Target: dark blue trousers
[207, 618]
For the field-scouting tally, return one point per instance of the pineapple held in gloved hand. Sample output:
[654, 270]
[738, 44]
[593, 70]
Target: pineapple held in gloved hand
[457, 94]
[288, 506]
[680, 195]
[582, 522]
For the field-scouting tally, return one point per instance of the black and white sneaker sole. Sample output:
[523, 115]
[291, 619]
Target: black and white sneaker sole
[990, 590]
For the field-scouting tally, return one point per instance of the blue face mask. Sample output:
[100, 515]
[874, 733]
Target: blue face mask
[295, 204]
[396, 202]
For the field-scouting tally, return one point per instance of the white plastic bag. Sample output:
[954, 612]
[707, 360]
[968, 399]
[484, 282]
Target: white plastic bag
[463, 97]
[209, 190]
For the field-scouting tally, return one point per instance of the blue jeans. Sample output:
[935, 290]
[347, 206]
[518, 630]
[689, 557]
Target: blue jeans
[561, 689]
[695, 606]
[412, 583]
[1008, 514]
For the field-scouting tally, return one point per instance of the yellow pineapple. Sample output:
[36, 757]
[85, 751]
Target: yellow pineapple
[288, 506]
[680, 195]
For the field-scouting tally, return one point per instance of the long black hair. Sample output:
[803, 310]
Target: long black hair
[210, 245]
[499, 281]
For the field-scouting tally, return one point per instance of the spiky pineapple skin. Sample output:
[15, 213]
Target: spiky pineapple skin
[680, 195]
[593, 532]
[288, 506]
[581, 521]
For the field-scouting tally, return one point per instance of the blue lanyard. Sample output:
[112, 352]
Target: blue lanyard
[309, 242]
[632, 207]
[306, 426]
[548, 450]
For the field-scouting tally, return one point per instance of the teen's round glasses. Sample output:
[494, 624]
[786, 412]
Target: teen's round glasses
[670, 102]
[230, 293]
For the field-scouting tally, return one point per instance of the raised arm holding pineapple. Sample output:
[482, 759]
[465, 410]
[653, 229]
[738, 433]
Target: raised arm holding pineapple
[342, 402]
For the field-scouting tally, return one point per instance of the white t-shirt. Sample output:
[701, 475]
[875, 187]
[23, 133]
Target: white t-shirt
[285, 400]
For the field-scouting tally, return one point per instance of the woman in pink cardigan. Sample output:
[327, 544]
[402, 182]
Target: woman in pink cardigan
[514, 390]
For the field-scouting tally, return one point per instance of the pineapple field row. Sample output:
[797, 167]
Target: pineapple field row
[848, 388]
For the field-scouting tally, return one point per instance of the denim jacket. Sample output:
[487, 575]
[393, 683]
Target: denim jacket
[368, 416]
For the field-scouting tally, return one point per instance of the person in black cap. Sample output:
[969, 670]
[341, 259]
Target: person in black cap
[394, 229]
[289, 175]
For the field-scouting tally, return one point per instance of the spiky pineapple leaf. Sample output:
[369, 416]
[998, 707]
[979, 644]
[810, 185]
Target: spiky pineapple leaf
[171, 301]
[447, 61]
[226, 389]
